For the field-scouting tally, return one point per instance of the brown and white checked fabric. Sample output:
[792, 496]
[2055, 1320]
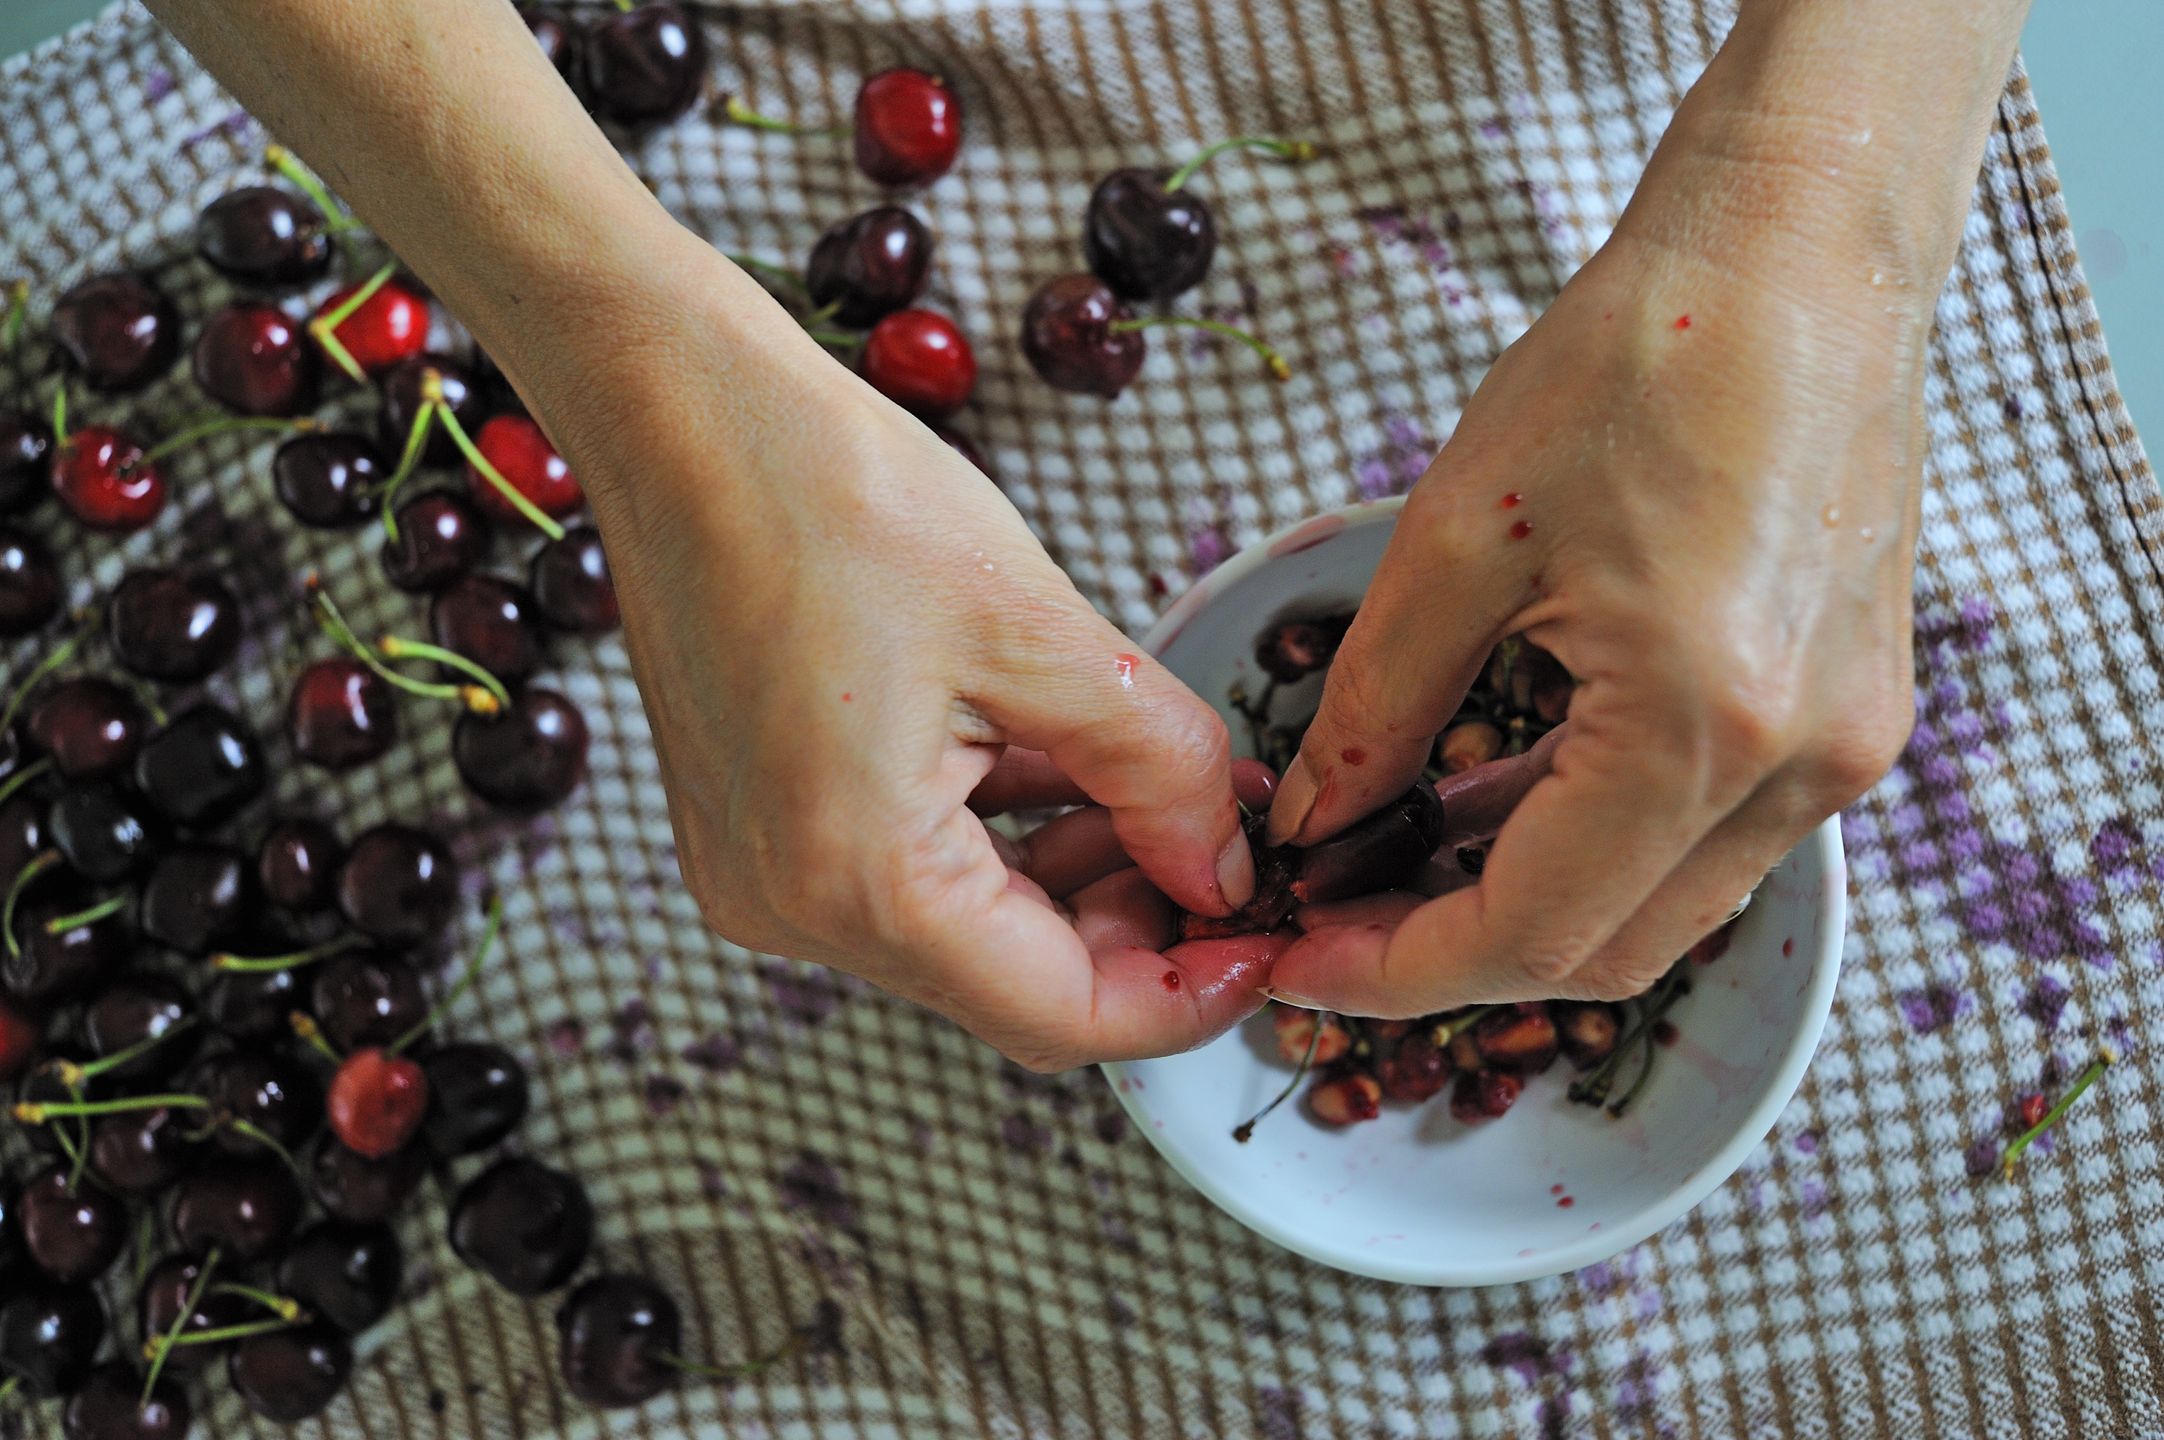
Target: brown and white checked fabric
[1010, 1259]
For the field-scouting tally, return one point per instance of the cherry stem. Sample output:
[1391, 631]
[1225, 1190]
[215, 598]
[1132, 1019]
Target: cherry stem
[460, 986]
[60, 411]
[22, 777]
[1452, 1028]
[334, 624]
[533, 513]
[408, 462]
[61, 924]
[54, 658]
[220, 425]
[72, 1074]
[767, 269]
[324, 326]
[37, 1112]
[335, 219]
[744, 1370]
[292, 960]
[268, 1141]
[836, 339]
[35, 866]
[310, 1034]
[285, 1307]
[1279, 370]
[1295, 151]
[11, 334]
[14, 1383]
[624, 5]
[394, 647]
[79, 1153]
[155, 1348]
[2104, 1059]
[740, 113]
[1247, 1132]
[246, 1330]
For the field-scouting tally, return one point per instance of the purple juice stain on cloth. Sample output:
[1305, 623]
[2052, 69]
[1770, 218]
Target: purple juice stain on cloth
[664, 1094]
[1933, 1007]
[803, 996]
[566, 1037]
[1526, 1356]
[716, 1054]
[2045, 1002]
[1024, 1135]
[811, 1183]
[1277, 1413]
[1981, 1158]
[157, 85]
[631, 1032]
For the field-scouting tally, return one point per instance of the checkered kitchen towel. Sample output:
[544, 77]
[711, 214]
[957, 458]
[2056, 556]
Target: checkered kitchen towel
[1011, 1259]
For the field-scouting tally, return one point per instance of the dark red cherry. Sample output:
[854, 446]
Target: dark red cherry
[364, 1189]
[244, 1205]
[492, 622]
[57, 965]
[286, 1376]
[137, 1009]
[254, 1005]
[523, 1224]
[202, 768]
[140, 1152]
[476, 1096]
[254, 359]
[364, 998]
[270, 1093]
[870, 265]
[1068, 338]
[571, 586]
[171, 626]
[22, 1042]
[377, 1101]
[346, 1274]
[964, 447]
[644, 65]
[71, 1232]
[908, 127]
[26, 457]
[327, 479]
[522, 455]
[398, 885]
[102, 480]
[111, 1406]
[341, 714]
[617, 1336]
[920, 361]
[89, 727]
[525, 759]
[49, 1336]
[297, 863]
[116, 331]
[101, 831]
[391, 325]
[441, 536]
[161, 1299]
[560, 37]
[401, 387]
[199, 897]
[1147, 242]
[29, 583]
[263, 234]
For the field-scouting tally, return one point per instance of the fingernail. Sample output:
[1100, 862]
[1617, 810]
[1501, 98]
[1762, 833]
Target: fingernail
[1295, 798]
[1295, 1001]
[1236, 871]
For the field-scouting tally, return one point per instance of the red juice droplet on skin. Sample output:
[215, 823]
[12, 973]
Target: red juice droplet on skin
[847, 697]
[1172, 979]
[1513, 500]
[1125, 665]
[1353, 755]
[1522, 529]
[1683, 322]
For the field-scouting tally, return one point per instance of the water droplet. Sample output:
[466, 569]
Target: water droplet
[1831, 515]
[1866, 532]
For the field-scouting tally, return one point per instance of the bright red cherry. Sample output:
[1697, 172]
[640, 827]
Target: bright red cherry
[390, 325]
[922, 362]
[377, 1102]
[101, 480]
[909, 126]
[523, 456]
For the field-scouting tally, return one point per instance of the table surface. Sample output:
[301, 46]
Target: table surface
[2091, 63]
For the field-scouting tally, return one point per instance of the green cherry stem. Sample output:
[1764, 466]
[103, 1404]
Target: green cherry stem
[335, 219]
[222, 425]
[53, 659]
[1246, 1131]
[157, 1346]
[1451, 1029]
[766, 269]
[35, 866]
[333, 621]
[533, 513]
[268, 1141]
[308, 1033]
[409, 460]
[79, 1154]
[22, 777]
[737, 112]
[324, 327]
[836, 339]
[285, 1307]
[73, 1075]
[247, 1329]
[624, 5]
[741, 1371]
[1275, 362]
[12, 1384]
[60, 411]
[459, 987]
[1294, 151]
[11, 333]
[37, 1112]
[61, 924]
[2104, 1059]
[291, 960]
[393, 647]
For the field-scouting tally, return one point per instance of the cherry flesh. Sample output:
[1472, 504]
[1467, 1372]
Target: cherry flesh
[135, 1010]
[523, 456]
[286, 1376]
[644, 65]
[921, 361]
[101, 831]
[570, 582]
[198, 898]
[254, 359]
[908, 127]
[118, 332]
[26, 457]
[1147, 242]
[264, 235]
[523, 1224]
[1069, 339]
[363, 998]
[327, 479]
[492, 622]
[72, 1233]
[389, 326]
[476, 1095]
[296, 865]
[161, 1298]
[173, 627]
[870, 265]
[29, 583]
[377, 1102]
[266, 1091]
[398, 885]
[402, 386]
[617, 1336]
[140, 1152]
[202, 768]
[50, 1334]
[111, 1406]
[441, 536]
[341, 714]
[346, 1274]
[527, 758]
[101, 479]
[364, 1189]
[245, 1206]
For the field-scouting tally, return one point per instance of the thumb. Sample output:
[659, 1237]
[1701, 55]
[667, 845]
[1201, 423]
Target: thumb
[1137, 742]
[1422, 632]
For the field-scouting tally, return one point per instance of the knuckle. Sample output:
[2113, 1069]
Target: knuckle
[1552, 964]
[1854, 756]
[1193, 742]
[1750, 717]
[1045, 1054]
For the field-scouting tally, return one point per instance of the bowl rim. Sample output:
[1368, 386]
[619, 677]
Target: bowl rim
[1613, 1238]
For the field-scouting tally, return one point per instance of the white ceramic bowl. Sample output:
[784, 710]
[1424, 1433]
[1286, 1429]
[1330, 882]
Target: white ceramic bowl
[1415, 1196]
